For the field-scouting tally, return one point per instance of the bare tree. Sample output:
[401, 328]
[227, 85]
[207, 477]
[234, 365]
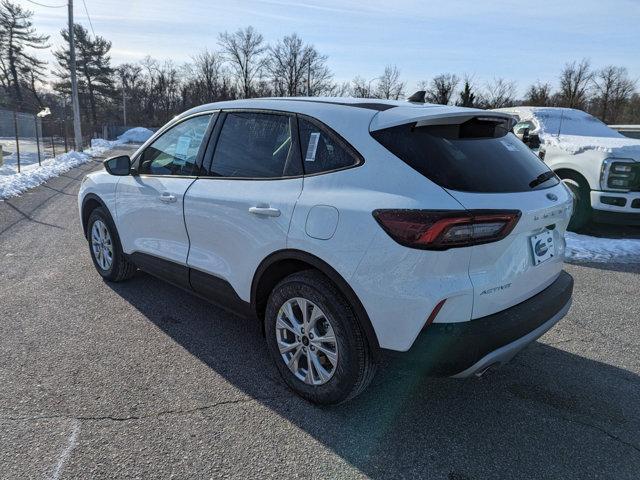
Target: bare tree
[441, 89]
[318, 77]
[575, 80]
[539, 95]
[613, 89]
[209, 76]
[297, 69]
[243, 49]
[389, 85]
[360, 88]
[499, 93]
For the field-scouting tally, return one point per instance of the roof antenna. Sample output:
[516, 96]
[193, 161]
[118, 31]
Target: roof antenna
[417, 97]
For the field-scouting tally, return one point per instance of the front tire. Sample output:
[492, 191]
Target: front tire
[315, 340]
[105, 248]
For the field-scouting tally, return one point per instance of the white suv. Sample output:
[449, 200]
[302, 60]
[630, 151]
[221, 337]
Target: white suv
[599, 164]
[346, 227]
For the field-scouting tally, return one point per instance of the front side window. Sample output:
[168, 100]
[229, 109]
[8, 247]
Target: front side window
[321, 151]
[256, 145]
[522, 126]
[176, 150]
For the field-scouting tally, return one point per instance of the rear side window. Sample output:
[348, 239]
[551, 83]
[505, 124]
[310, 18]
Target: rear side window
[321, 150]
[474, 156]
[256, 145]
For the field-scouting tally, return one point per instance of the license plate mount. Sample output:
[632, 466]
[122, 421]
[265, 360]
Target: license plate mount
[543, 247]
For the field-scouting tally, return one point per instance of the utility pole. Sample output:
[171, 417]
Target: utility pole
[77, 130]
[124, 101]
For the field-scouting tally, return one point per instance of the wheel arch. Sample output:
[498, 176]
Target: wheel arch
[90, 202]
[282, 263]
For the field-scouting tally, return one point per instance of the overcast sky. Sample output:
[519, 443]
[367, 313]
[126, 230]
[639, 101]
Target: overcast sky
[519, 40]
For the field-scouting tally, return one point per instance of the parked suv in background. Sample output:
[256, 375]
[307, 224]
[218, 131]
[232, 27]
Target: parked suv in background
[345, 226]
[600, 165]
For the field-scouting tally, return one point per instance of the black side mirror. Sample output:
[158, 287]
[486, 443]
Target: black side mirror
[119, 166]
[534, 141]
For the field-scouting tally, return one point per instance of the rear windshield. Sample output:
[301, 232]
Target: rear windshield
[474, 156]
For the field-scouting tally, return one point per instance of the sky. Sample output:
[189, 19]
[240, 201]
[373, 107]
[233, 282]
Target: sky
[518, 40]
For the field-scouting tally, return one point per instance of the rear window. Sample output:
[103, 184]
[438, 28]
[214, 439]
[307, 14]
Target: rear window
[474, 156]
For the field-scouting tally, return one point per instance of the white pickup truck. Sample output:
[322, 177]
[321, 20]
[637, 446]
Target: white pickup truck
[601, 166]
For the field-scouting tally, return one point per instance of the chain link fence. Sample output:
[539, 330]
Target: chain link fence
[28, 140]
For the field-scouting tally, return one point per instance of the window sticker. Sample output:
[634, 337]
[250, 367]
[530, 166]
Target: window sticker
[182, 148]
[314, 138]
[508, 146]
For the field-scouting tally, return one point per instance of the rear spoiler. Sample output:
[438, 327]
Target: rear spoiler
[425, 115]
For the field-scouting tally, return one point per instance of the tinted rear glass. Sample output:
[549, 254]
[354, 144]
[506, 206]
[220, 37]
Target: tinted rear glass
[475, 156]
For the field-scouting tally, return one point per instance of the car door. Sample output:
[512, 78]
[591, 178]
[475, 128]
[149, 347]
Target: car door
[149, 204]
[239, 211]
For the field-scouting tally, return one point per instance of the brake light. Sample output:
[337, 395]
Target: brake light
[444, 229]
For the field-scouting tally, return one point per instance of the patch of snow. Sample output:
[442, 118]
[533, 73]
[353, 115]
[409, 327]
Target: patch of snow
[135, 135]
[32, 175]
[584, 248]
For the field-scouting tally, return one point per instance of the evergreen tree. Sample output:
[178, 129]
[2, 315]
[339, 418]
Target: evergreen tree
[467, 97]
[93, 64]
[20, 68]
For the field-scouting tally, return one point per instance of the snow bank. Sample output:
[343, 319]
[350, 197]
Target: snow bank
[12, 184]
[135, 135]
[583, 248]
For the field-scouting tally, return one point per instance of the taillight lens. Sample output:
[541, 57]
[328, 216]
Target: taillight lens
[443, 229]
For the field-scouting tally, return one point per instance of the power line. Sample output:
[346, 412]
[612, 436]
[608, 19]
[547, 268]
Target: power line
[48, 6]
[88, 17]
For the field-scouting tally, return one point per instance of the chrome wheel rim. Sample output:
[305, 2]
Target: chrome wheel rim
[306, 341]
[101, 245]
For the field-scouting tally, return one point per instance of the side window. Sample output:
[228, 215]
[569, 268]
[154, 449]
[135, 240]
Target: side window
[521, 126]
[256, 145]
[175, 151]
[321, 151]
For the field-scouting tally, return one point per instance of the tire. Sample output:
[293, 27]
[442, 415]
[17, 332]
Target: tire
[354, 368]
[118, 268]
[582, 194]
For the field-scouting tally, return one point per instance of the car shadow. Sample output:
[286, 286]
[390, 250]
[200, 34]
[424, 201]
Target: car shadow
[548, 414]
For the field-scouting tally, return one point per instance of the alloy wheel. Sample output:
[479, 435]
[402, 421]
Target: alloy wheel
[101, 245]
[306, 341]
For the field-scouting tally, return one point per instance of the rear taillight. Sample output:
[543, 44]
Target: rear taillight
[443, 229]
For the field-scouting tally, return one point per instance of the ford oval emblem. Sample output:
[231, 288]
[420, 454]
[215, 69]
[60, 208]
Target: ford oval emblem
[552, 196]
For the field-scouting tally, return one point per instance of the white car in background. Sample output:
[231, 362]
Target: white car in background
[344, 226]
[600, 165]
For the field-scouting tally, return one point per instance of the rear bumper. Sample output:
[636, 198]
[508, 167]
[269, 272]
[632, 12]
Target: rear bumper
[469, 348]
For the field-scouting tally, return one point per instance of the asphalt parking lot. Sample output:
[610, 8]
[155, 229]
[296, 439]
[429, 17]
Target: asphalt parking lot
[141, 380]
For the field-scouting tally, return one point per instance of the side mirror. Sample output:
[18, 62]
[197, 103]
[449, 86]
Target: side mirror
[534, 141]
[119, 166]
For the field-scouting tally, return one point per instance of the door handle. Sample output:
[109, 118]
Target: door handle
[265, 211]
[166, 197]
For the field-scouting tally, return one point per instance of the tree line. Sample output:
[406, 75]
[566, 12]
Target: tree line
[243, 65]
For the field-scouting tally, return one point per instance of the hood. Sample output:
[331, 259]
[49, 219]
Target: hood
[620, 147]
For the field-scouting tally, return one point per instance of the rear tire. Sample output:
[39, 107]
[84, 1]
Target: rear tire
[325, 382]
[105, 248]
[582, 194]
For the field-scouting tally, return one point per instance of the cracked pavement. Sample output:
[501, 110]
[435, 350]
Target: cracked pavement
[142, 380]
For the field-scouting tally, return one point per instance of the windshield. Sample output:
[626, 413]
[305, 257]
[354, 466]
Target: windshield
[567, 121]
[474, 156]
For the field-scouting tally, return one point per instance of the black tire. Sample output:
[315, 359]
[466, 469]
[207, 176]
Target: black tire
[355, 367]
[121, 269]
[582, 203]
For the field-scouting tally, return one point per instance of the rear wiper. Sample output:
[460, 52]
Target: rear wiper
[543, 177]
